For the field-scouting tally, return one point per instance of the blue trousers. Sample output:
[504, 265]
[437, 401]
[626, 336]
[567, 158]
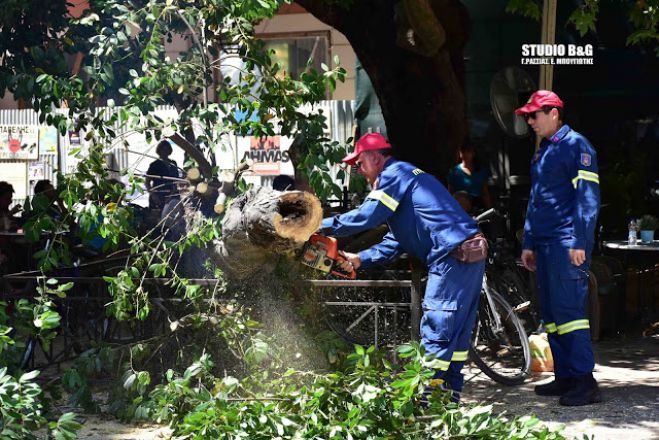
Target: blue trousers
[563, 292]
[449, 315]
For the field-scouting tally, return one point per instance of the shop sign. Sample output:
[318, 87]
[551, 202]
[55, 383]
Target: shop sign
[19, 142]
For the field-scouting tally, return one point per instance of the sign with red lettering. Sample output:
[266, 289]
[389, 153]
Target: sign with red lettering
[266, 154]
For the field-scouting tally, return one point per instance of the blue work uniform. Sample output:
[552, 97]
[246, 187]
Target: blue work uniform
[561, 215]
[428, 223]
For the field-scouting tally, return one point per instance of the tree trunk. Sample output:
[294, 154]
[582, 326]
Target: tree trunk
[262, 224]
[422, 96]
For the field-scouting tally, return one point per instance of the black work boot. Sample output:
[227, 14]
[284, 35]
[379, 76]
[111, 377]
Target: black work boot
[584, 391]
[557, 387]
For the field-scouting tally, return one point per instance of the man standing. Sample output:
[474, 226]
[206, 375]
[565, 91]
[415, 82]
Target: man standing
[160, 188]
[427, 223]
[558, 239]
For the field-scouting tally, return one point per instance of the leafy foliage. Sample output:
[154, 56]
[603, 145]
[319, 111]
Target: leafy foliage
[369, 398]
[643, 14]
[648, 223]
[584, 18]
[22, 411]
[525, 8]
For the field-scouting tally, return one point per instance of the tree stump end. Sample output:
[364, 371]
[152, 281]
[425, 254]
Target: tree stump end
[298, 216]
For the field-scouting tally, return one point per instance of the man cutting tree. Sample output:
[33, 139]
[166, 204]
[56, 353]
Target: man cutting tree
[425, 221]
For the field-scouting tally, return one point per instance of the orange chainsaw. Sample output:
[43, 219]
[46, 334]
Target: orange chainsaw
[322, 253]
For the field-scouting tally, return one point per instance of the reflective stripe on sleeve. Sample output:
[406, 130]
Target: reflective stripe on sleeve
[579, 324]
[586, 175]
[383, 197]
[459, 356]
[550, 327]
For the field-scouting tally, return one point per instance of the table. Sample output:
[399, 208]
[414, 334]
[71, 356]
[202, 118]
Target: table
[624, 246]
[645, 259]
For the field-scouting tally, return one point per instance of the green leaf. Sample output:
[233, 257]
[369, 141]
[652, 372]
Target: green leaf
[130, 380]
[27, 377]
[47, 320]
[144, 378]
[65, 287]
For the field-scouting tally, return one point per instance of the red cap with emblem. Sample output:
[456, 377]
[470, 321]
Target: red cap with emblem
[541, 98]
[368, 142]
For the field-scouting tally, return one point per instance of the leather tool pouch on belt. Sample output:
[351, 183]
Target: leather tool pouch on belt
[471, 250]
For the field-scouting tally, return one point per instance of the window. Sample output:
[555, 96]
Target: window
[293, 51]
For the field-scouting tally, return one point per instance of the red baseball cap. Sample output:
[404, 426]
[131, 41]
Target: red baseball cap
[540, 99]
[368, 142]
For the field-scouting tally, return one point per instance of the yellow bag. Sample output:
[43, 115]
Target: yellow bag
[541, 358]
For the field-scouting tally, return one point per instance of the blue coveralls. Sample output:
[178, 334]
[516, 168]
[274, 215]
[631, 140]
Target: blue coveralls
[561, 215]
[426, 222]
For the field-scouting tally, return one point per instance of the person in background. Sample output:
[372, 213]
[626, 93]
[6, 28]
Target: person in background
[427, 223]
[7, 219]
[172, 217]
[46, 200]
[464, 200]
[11, 255]
[559, 235]
[283, 183]
[158, 187]
[471, 176]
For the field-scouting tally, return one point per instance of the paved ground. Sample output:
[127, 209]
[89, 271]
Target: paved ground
[628, 374]
[627, 370]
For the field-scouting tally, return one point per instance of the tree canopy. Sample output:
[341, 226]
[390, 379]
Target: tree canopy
[115, 55]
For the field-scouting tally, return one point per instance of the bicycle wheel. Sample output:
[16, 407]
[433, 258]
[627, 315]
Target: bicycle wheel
[514, 290]
[499, 345]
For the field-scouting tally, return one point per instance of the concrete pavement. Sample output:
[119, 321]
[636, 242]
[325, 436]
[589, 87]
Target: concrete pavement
[628, 374]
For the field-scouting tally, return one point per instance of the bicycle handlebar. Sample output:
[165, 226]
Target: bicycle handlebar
[486, 215]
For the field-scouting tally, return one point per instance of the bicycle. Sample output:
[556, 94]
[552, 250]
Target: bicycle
[500, 345]
[505, 272]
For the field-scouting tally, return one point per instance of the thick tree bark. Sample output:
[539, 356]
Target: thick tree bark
[422, 96]
[262, 224]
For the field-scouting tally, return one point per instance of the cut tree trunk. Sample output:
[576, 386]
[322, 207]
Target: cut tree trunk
[262, 224]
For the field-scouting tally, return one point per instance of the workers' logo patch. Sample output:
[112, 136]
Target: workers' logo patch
[585, 159]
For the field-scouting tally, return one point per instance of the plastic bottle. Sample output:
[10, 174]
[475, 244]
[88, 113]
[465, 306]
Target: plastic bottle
[632, 238]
